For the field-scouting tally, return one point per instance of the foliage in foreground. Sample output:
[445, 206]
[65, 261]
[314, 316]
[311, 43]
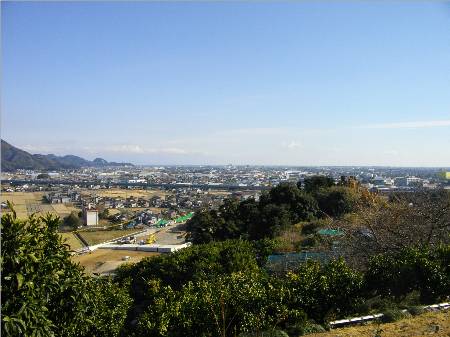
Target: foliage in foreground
[44, 293]
[217, 300]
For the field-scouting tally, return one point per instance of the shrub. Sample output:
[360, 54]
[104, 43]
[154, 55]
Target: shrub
[399, 274]
[308, 329]
[44, 293]
[416, 310]
[393, 315]
[271, 333]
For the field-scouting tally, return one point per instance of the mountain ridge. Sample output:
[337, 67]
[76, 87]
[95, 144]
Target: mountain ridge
[14, 158]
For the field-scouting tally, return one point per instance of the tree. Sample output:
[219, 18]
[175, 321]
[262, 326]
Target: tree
[223, 306]
[315, 183]
[413, 269]
[326, 290]
[43, 176]
[192, 263]
[73, 221]
[104, 214]
[202, 227]
[44, 293]
[336, 201]
[282, 206]
[419, 219]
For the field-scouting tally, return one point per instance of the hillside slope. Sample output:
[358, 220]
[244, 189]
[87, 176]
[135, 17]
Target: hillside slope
[431, 323]
[14, 158]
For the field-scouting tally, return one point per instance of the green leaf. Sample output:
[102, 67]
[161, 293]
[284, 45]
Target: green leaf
[19, 278]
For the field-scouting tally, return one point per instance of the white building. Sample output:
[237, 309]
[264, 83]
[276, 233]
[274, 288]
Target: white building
[90, 217]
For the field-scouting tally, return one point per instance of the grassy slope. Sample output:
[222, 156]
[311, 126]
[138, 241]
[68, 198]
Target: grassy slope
[71, 240]
[421, 325]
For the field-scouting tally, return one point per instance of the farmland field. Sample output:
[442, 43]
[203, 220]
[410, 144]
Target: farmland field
[126, 193]
[27, 203]
[106, 260]
[95, 237]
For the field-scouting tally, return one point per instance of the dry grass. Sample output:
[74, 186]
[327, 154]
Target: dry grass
[95, 237]
[71, 240]
[27, 203]
[432, 323]
[126, 193]
[289, 239]
[107, 260]
[219, 192]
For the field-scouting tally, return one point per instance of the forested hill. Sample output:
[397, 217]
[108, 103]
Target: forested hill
[14, 158]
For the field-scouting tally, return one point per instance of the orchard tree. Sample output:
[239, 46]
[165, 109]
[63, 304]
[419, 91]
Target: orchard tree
[226, 305]
[44, 293]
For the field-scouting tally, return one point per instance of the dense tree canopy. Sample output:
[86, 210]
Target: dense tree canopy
[281, 207]
[44, 293]
[336, 201]
[315, 183]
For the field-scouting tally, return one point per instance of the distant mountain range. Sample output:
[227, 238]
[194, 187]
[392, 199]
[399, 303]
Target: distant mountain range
[14, 158]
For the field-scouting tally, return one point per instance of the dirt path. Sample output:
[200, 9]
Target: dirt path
[106, 260]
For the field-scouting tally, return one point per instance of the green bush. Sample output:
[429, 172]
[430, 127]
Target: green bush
[393, 315]
[423, 270]
[271, 333]
[416, 310]
[225, 305]
[44, 293]
[310, 328]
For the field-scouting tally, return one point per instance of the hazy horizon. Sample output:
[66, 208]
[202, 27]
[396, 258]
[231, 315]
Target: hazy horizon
[274, 84]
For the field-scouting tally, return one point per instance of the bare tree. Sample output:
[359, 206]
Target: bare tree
[404, 220]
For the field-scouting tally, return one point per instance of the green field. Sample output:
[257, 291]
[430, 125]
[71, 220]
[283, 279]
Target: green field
[96, 237]
[72, 240]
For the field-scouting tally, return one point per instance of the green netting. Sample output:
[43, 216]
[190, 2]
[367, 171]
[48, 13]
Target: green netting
[330, 232]
[184, 217]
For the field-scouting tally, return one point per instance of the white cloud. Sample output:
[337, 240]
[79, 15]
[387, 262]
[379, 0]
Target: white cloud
[138, 149]
[46, 149]
[118, 149]
[291, 145]
[409, 125]
[124, 148]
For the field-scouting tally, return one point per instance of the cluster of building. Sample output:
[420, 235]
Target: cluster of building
[256, 177]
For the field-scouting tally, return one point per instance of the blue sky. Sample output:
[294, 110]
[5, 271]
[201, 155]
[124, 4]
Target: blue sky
[298, 83]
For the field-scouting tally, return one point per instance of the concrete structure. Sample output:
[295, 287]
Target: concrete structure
[90, 217]
[409, 181]
[147, 248]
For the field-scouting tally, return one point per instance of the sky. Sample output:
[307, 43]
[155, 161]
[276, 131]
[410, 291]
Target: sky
[265, 83]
